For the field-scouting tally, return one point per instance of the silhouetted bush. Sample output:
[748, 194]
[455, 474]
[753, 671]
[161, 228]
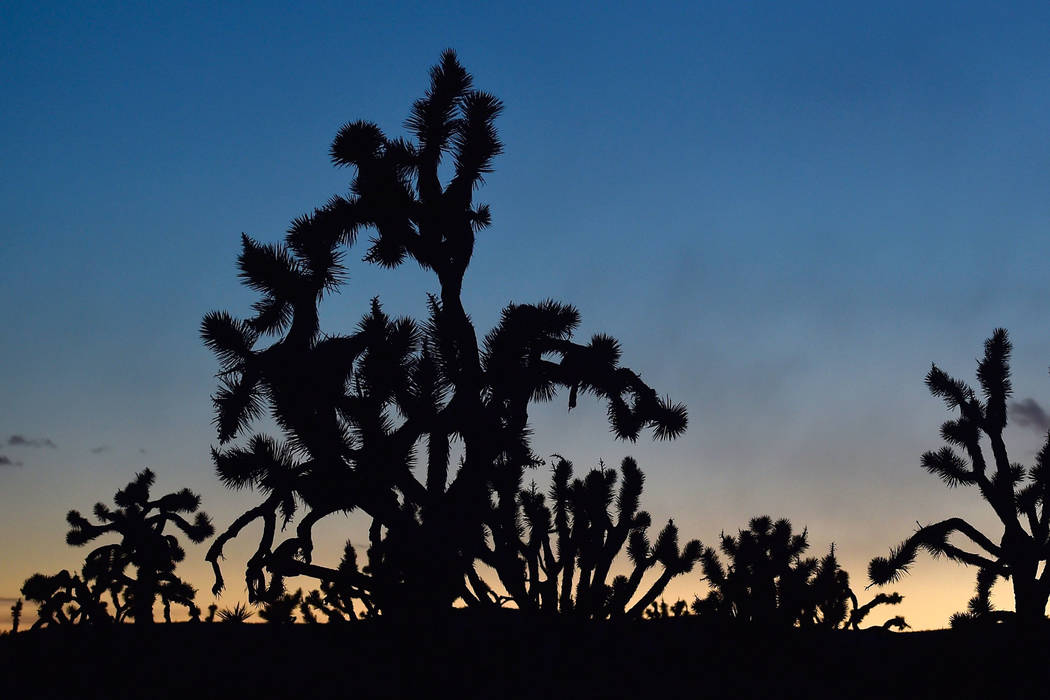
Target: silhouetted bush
[238, 614]
[1017, 495]
[358, 411]
[768, 582]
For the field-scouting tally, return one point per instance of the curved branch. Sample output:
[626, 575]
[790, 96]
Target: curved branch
[215, 550]
[934, 539]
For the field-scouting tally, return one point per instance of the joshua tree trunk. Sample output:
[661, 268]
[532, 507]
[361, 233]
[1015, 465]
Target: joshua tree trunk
[1030, 596]
[145, 592]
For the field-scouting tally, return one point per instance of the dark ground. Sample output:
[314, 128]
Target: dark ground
[468, 657]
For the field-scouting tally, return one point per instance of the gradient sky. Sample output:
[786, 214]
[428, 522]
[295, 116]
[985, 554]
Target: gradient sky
[785, 214]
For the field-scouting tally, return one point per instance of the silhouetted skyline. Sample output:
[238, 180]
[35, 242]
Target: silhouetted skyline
[783, 216]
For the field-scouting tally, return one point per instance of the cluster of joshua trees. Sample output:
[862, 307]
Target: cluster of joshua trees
[65, 598]
[424, 427]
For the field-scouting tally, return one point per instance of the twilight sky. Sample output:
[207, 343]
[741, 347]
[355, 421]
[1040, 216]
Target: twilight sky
[785, 214]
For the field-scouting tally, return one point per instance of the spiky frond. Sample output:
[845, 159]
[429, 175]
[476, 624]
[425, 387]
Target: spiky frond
[136, 493]
[201, 529]
[954, 392]
[230, 339]
[183, 501]
[712, 567]
[962, 432]
[638, 548]
[81, 530]
[993, 373]
[666, 548]
[356, 143]
[270, 269]
[669, 420]
[475, 141]
[890, 569]
[948, 466]
[237, 403]
[627, 499]
[1040, 472]
[433, 121]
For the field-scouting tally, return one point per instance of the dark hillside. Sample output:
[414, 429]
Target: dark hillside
[473, 657]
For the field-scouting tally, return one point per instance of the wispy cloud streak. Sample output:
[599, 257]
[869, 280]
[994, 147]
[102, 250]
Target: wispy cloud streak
[23, 441]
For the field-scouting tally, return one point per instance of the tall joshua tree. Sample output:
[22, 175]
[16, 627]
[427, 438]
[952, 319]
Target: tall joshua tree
[358, 411]
[1019, 496]
[140, 522]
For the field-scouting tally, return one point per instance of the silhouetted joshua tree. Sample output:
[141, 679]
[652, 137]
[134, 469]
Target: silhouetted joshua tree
[358, 411]
[661, 610]
[16, 615]
[140, 523]
[335, 599]
[1017, 495]
[280, 610]
[68, 599]
[768, 582]
[559, 557]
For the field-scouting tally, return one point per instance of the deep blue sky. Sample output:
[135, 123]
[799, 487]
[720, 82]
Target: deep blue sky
[785, 213]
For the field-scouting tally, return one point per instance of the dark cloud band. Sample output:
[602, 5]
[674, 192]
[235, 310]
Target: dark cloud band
[1027, 413]
[23, 441]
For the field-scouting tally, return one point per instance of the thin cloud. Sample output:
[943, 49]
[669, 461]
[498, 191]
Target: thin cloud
[1027, 413]
[100, 449]
[6, 461]
[23, 441]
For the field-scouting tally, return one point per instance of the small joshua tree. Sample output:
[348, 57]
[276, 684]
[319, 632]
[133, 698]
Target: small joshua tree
[68, 599]
[335, 600]
[559, 558]
[1019, 496]
[16, 615]
[768, 582]
[140, 522]
[281, 609]
[661, 610]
